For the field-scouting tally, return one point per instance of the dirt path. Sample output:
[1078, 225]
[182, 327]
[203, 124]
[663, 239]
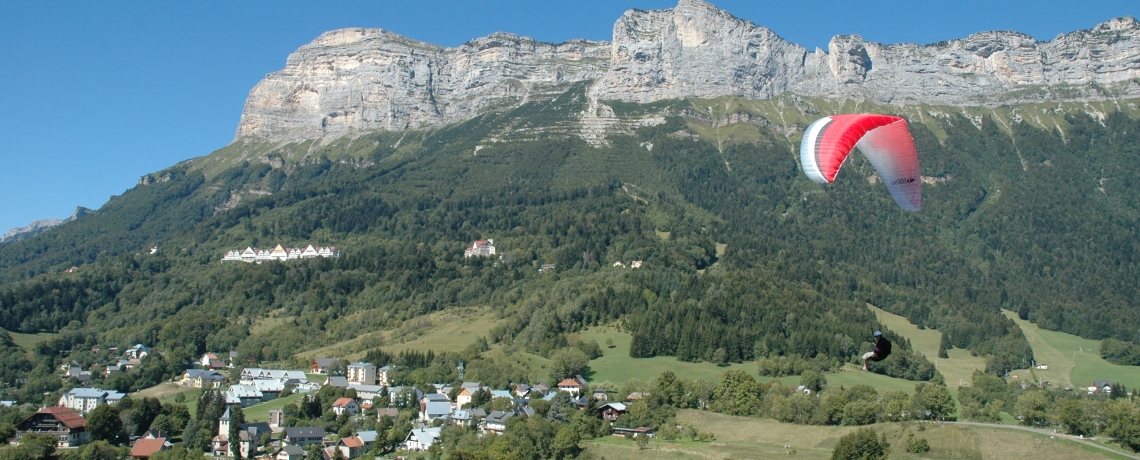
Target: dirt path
[1050, 433]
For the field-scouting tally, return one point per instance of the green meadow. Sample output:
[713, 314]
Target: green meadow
[1072, 361]
[617, 366]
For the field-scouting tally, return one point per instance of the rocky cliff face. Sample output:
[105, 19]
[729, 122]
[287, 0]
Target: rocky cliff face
[38, 226]
[368, 79]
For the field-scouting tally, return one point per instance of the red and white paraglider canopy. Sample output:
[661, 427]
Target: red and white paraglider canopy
[883, 139]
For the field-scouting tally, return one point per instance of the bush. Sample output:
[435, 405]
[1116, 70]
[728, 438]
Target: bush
[917, 445]
[861, 444]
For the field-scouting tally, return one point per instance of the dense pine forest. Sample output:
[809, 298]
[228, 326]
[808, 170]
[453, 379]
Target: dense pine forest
[1015, 217]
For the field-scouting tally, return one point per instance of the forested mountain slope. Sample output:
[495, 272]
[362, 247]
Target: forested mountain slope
[1043, 222]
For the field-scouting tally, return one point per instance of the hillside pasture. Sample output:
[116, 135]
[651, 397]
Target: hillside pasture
[1072, 361]
[957, 370]
[746, 437]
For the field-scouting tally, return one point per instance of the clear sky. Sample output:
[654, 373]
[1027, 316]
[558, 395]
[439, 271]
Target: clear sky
[97, 94]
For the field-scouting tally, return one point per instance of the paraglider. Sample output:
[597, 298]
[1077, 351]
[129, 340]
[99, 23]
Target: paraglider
[880, 352]
[886, 142]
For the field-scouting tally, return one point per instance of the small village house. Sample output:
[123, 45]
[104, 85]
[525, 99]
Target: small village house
[321, 365]
[421, 439]
[65, 425]
[346, 406]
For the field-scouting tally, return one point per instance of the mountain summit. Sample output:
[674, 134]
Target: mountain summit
[354, 80]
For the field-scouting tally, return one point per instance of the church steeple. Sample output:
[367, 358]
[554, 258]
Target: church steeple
[224, 423]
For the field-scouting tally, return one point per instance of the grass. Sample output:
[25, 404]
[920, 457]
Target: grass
[191, 401]
[165, 390]
[957, 370]
[29, 341]
[1072, 361]
[446, 330]
[260, 412]
[745, 437]
[617, 366]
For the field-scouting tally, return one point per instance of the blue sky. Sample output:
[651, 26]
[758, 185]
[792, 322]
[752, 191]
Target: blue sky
[97, 94]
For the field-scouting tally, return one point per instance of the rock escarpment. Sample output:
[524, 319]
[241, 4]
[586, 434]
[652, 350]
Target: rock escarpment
[368, 79]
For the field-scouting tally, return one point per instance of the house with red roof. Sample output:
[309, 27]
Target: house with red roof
[570, 386]
[67, 427]
[144, 448]
[348, 405]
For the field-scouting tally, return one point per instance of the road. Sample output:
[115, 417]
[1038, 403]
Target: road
[1050, 433]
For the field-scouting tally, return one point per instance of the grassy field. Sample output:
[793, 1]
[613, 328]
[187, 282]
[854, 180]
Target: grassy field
[191, 395]
[260, 412]
[28, 341]
[740, 437]
[616, 366]
[957, 369]
[448, 330]
[1072, 361]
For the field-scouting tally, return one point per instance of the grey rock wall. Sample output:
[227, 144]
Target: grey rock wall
[353, 80]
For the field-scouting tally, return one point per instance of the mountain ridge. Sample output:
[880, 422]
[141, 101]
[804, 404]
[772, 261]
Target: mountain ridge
[358, 80]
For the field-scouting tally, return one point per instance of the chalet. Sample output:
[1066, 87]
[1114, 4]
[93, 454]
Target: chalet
[346, 405]
[67, 427]
[634, 432]
[421, 439]
[521, 390]
[541, 388]
[467, 417]
[368, 438]
[138, 352]
[336, 381]
[1101, 386]
[83, 400]
[468, 390]
[480, 248]
[290, 453]
[366, 392]
[496, 394]
[382, 375]
[431, 411]
[351, 447]
[496, 421]
[145, 448]
[246, 395]
[611, 411]
[601, 395]
[279, 253]
[199, 378]
[361, 373]
[211, 361]
[410, 394]
[321, 365]
[78, 374]
[249, 375]
[111, 370]
[570, 386]
[304, 436]
[389, 412]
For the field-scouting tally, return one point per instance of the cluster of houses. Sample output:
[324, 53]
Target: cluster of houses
[279, 253]
[65, 422]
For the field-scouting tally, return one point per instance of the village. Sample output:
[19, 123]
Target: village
[368, 394]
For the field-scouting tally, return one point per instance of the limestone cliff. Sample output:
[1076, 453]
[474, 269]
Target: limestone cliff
[369, 79]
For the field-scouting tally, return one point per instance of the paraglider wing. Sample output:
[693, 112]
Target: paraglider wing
[885, 141]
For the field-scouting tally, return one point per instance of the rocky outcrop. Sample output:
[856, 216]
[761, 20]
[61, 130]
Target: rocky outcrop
[698, 50]
[38, 226]
[368, 79]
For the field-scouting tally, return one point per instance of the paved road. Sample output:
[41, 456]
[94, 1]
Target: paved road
[1050, 433]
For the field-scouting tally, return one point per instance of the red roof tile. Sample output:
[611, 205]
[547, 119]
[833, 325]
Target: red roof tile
[569, 383]
[342, 402]
[352, 442]
[147, 447]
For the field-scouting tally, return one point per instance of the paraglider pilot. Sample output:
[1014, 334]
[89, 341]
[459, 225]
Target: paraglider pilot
[880, 352]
